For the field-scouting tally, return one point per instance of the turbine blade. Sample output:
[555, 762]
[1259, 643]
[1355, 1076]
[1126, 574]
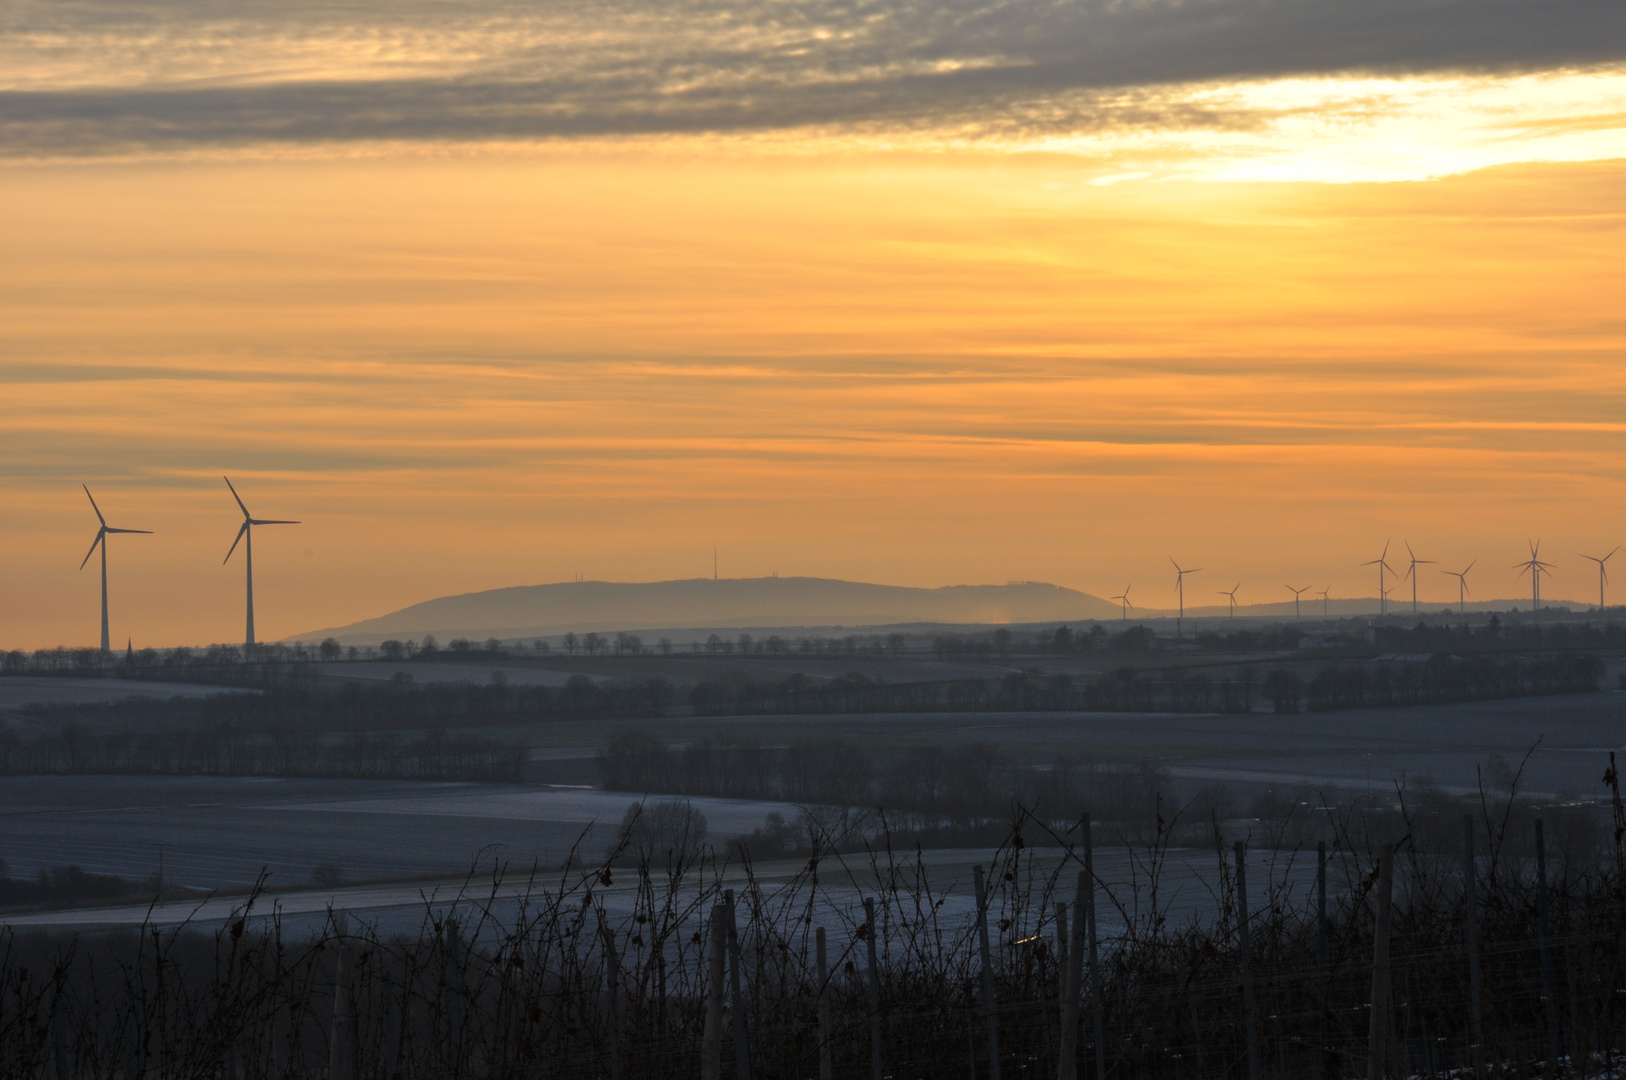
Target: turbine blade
[94, 507]
[1471, 565]
[234, 543]
[1611, 555]
[257, 521]
[239, 498]
[99, 534]
[143, 532]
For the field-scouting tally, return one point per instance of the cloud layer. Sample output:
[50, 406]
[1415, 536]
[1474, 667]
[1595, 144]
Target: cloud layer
[92, 77]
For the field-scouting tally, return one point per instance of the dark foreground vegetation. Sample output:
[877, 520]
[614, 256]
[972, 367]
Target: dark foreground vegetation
[1419, 951]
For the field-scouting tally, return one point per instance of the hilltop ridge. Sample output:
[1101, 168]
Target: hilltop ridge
[539, 610]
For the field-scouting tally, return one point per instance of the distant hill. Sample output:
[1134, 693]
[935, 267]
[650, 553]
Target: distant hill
[698, 603]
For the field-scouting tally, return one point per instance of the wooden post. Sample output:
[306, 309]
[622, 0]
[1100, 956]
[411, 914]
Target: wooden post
[1096, 1019]
[59, 1024]
[1072, 978]
[736, 996]
[1061, 957]
[135, 1062]
[341, 1048]
[452, 995]
[1471, 903]
[1549, 984]
[1250, 1016]
[1324, 1058]
[612, 980]
[826, 1064]
[711, 1038]
[877, 1071]
[989, 1006]
[1378, 1028]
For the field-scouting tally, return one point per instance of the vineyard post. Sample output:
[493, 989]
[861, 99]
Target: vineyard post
[1071, 977]
[1324, 1059]
[1544, 929]
[1378, 1028]
[826, 1065]
[989, 1006]
[612, 978]
[1471, 902]
[877, 1071]
[1096, 1018]
[1250, 1018]
[736, 997]
[711, 1039]
[341, 1049]
[660, 1006]
[59, 1022]
[1061, 958]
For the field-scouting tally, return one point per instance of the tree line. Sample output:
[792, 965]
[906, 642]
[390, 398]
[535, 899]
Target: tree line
[1436, 680]
[922, 787]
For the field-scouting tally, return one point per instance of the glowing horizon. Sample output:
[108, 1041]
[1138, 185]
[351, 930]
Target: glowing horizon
[494, 296]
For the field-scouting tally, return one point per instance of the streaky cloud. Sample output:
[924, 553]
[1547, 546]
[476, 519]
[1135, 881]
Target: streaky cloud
[92, 78]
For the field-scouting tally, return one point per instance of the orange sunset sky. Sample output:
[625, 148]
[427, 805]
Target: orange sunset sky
[490, 295]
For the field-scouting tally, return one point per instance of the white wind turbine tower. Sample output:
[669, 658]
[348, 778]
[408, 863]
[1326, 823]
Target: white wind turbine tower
[1462, 586]
[1382, 565]
[1296, 593]
[1232, 595]
[1411, 572]
[1535, 568]
[1123, 598]
[101, 539]
[247, 532]
[1180, 590]
[1603, 575]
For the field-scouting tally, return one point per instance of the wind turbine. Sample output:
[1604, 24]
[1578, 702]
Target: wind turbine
[1603, 575]
[101, 538]
[1462, 586]
[1411, 572]
[1180, 590]
[1535, 568]
[1324, 593]
[1123, 597]
[1232, 595]
[247, 532]
[1296, 593]
[1382, 565]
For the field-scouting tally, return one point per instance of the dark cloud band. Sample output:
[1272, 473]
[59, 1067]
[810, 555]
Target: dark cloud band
[1033, 66]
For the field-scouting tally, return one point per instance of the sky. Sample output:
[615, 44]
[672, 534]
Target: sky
[490, 294]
